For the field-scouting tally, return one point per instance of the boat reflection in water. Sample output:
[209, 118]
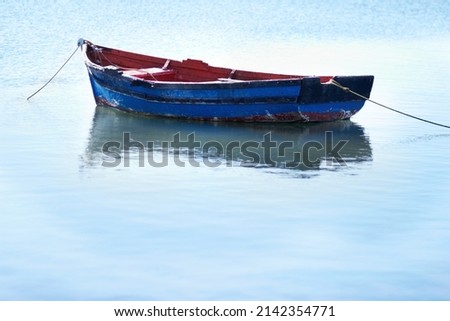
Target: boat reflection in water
[119, 139]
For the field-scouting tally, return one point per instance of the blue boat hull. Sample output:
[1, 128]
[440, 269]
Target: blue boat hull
[293, 99]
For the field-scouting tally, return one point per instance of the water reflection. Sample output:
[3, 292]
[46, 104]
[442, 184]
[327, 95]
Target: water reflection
[120, 139]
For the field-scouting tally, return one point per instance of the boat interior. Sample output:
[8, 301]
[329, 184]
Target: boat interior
[161, 69]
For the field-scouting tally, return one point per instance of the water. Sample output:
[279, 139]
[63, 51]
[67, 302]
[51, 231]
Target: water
[375, 229]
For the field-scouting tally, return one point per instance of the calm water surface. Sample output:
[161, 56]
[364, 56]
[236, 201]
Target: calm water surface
[377, 228]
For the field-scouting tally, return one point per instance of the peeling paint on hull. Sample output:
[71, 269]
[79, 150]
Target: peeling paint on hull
[287, 117]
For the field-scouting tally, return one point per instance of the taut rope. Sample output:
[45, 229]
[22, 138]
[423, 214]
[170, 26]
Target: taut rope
[346, 89]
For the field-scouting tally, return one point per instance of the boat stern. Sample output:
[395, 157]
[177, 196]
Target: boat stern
[321, 100]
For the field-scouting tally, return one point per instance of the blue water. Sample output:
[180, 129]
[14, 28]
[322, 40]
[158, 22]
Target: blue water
[376, 228]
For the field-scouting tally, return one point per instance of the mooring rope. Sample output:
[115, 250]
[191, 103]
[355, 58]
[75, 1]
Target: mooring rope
[346, 89]
[73, 53]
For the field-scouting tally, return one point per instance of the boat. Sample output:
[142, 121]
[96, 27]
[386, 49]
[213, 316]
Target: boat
[192, 89]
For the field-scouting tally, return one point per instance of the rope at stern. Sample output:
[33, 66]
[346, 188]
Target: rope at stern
[346, 89]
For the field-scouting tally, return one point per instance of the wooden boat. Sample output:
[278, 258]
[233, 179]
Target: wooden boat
[192, 89]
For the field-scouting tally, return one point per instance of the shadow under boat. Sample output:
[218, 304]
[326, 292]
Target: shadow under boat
[120, 139]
